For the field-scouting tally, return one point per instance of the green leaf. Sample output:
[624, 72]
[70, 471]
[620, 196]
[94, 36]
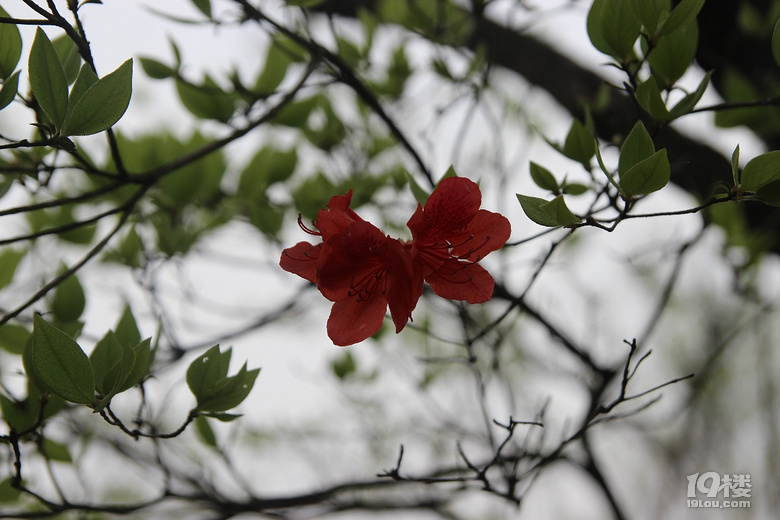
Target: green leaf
[637, 147]
[9, 89]
[267, 167]
[126, 329]
[85, 79]
[204, 6]
[14, 338]
[613, 28]
[574, 188]
[646, 176]
[769, 193]
[543, 178]
[55, 451]
[344, 365]
[775, 42]
[296, 114]
[579, 144]
[673, 54]
[206, 101]
[229, 392]
[69, 55]
[533, 208]
[8, 493]
[114, 380]
[156, 69]
[103, 104]
[313, 194]
[10, 47]
[648, 13]
[142, 354]
[760, 171]
[684, 13]
[205, 432]
[649, 98]
[560, 212]
[9, 261]
[105, 355]
[420, 195]
[47, 79]
[277, 61]
[69, 300]
[303, 3]
[735, 166]
[686, 104]
[223, 417]
[60, 364]
[204, 372]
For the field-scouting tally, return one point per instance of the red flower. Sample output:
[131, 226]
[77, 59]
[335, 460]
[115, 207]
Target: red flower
[451, 234]
[303, 258]
[364, 272]
[359, 269]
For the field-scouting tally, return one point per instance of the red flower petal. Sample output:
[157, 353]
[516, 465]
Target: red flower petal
[353, 320]
[302, 259]
[462, 281]
[486, 233]
[356, 263]
[404, 284]
[449, 209]
[337, 217]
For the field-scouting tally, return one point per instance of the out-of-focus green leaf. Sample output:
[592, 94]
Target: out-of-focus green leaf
[208, 100]
[268, 166]
[277, 61]
[69, 300]
[156, 69]
[296, 114]
[420, 195]
[344, 365]
[205, 432]
[10, 47]
[9, 89]
[204, 6]
[580, 144]
[776, 42]
[9, 493]
[14, 338]
[9, 261]
[313, 194]
[55, 451]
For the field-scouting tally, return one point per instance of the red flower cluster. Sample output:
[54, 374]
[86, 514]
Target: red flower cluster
[364, 272]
